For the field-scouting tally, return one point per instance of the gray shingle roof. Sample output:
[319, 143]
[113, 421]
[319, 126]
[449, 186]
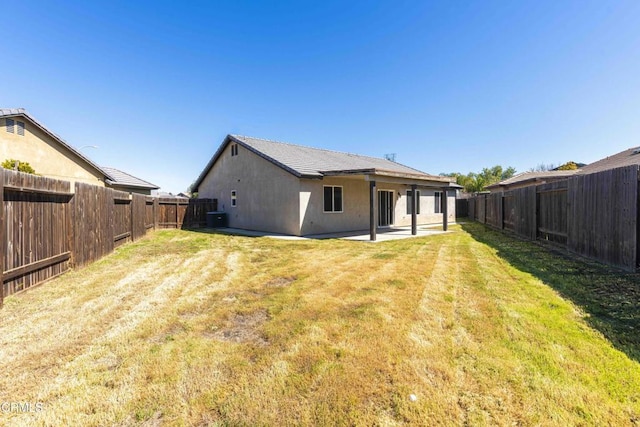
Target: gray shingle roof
[533, 177]
[316, 162]
[123, 179]
[628, 157]
[308, 162]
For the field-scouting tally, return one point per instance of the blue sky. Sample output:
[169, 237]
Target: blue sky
[448, 86]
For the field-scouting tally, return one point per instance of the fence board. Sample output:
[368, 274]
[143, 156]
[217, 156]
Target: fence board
[603, 216]
[481, 208]
[493, 215]
[552, 212]
[34, 235]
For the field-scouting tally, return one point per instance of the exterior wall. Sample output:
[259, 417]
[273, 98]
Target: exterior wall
[45, 154]
[355, 215]
[267, 196]
[355, 206]
[427, 207]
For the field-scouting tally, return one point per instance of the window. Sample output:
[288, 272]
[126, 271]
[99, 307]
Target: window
[332, 198]
[234, 150]
[20, 128]
[10, 124]
[438, 202]
[234, 199]
[409, 202]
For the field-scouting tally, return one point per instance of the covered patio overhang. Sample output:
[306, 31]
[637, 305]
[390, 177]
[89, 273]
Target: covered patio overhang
[414, 181]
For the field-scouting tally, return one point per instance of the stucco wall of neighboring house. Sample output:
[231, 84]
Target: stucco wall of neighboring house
[267, 196]
[44, 154]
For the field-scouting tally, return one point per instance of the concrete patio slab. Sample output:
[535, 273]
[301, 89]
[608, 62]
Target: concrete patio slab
[395, 233]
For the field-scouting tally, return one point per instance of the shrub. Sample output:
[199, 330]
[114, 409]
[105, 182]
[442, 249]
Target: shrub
[22, 166]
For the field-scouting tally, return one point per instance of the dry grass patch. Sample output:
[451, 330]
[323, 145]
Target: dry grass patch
[187, 328]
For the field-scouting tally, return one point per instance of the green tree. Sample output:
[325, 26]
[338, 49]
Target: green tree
[476, 182]
[21, 166]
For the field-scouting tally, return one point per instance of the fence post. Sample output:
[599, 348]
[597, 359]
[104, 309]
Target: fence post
[155, 213]
[177, 214]
[131, 222]
[3, 241]
[502, 211]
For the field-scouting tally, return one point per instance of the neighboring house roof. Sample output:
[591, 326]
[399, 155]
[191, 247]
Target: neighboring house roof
[123, 179]
[627, 157]
[21, 112]
[308, 162]
[528, 178]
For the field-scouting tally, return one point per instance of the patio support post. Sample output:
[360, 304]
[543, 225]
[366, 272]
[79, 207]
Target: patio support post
[373, 210]
[445, 210]
[414, 213]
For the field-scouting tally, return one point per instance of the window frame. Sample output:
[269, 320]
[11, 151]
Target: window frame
[333, 198]
[234, 199]
[437, 204]
[409, 202]
[20, 128]
[10, 125]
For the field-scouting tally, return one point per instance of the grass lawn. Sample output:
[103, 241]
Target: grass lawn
[189, 328]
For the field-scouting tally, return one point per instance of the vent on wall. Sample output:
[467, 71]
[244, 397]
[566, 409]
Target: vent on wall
[20, 128]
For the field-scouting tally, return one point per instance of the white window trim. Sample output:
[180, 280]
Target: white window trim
[332, 199]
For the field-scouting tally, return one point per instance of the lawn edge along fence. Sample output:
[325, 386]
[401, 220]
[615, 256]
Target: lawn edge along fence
[46, 228]
[593, 215]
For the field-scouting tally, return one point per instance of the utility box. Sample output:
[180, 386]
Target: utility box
[216, 219]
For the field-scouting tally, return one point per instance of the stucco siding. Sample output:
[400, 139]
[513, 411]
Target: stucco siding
[428, 213]
[355, 214]
[267, 197]
[44, 154]
[355, 206]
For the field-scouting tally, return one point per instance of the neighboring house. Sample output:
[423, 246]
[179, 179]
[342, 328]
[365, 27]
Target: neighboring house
[526, 179]
[23, 138]
[628, 157]
[284, 188]
[123, 181]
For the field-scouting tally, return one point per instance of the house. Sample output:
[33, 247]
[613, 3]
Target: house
[122, 181]
[291, 189]
[526, 179]
[24, 138]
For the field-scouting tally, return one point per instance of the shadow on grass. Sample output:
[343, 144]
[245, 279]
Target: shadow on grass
[610, 297]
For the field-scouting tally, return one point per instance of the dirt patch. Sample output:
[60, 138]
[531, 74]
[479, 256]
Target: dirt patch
[243, 328]
[280, 282]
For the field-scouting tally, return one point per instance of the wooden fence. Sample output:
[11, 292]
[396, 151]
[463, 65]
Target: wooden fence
[45, 228]
[594, 215]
